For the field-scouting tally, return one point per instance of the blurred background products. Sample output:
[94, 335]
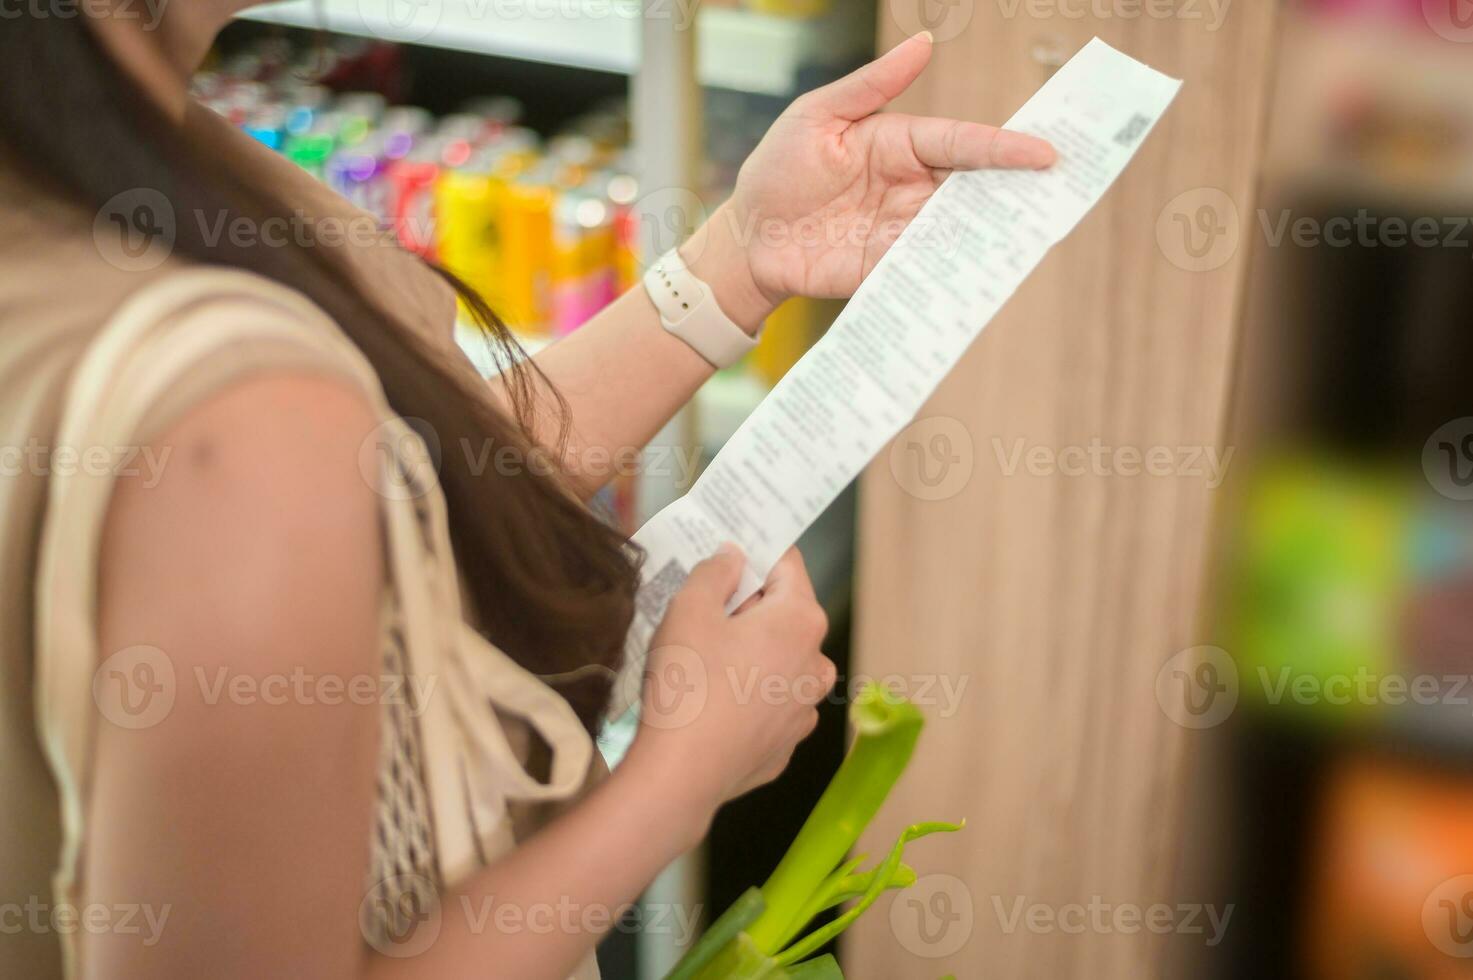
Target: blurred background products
[538, 226]
[1347, 592]
[1392, 895]
[541, 220]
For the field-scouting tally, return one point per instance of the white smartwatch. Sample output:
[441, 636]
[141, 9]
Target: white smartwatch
[688, 309]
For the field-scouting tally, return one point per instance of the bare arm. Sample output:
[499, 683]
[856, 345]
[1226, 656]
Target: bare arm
[241, 821]
[624, 376]
[255, 557]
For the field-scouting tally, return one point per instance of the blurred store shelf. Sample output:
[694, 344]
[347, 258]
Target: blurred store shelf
[1372, 110]
[738, 49]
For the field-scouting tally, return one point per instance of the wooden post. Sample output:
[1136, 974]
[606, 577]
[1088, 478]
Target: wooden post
[1052, 601]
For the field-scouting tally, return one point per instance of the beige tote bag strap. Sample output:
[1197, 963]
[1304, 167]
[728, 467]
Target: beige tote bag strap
[471, 679]
[487, 677]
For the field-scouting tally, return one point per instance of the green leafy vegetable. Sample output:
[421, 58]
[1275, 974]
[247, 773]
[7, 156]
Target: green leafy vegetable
[743, 912]
[888, 727]
[880, 882]
[754, 939]
[818, 968]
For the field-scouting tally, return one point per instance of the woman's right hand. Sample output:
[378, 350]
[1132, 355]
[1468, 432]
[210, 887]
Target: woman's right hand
[728, 698]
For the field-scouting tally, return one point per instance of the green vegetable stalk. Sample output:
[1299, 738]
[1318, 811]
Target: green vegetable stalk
[755, 938]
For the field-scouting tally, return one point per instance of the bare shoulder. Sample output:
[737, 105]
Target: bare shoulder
[257, 536]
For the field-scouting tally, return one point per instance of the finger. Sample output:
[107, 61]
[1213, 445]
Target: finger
[749, 602]
[789, 576]
[866, 90]
[717, 577]
[777, 764]
[828, 673]
[815, 683]
[951, 144]
[766, 771]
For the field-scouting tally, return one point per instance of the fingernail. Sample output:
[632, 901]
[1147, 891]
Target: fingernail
[928, 36]
[1021, 150]
[729, 548]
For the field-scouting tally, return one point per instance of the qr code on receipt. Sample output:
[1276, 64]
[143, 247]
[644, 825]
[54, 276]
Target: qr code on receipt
[1133, 130]
[656, 594]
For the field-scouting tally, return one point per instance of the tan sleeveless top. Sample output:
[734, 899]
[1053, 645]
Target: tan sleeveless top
[92, 355]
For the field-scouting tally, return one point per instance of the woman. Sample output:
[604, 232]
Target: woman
[215, 524]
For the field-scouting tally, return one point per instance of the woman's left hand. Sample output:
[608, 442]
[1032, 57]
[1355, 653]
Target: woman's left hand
[834, 182]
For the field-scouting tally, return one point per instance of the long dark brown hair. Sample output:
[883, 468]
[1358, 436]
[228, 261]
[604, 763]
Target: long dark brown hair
[551, 584]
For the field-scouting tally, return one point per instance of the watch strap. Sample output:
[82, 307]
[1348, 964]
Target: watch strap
[688, 309]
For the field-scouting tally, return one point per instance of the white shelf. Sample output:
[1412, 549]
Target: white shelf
[737, 49]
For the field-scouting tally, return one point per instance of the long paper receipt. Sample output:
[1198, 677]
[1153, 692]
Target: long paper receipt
[946, 276]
